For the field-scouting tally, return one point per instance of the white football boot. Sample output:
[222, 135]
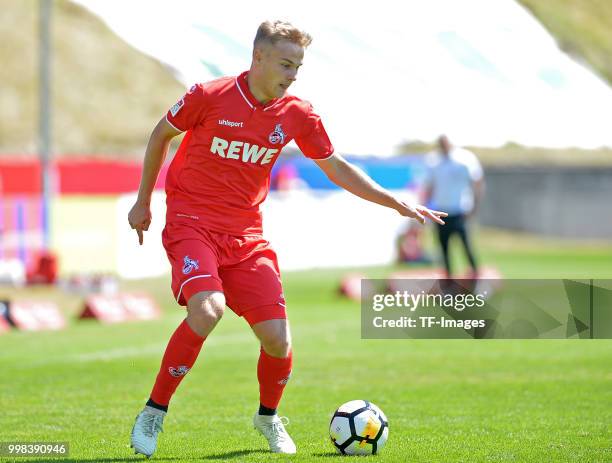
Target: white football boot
[273, 429]
[146, 428]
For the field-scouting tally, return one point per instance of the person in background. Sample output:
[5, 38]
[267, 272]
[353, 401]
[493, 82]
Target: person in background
[455, 184]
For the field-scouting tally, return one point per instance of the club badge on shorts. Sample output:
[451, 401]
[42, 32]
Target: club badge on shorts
[189, 265]
[277, 135]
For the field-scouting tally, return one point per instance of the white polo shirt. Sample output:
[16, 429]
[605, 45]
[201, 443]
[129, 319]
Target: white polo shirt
[451, 179]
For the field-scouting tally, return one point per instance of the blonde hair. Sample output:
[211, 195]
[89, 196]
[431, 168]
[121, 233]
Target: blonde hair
[273, 31]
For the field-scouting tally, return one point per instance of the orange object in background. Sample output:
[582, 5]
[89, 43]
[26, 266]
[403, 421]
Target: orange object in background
[44, 269]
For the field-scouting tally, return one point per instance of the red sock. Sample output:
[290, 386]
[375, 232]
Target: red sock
[273, 374]
[181, 353]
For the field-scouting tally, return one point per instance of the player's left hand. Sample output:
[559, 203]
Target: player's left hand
[420, 213]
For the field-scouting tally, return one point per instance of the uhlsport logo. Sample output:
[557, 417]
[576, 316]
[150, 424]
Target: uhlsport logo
[230, 123]
[189, 265]
[177, 372]
[277, 135]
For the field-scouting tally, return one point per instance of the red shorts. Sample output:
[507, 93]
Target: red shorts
[244, 268]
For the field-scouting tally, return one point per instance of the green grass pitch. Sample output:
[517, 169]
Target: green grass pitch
[455, 400]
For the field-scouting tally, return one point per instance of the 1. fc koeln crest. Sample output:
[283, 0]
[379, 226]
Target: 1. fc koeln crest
[277, 135]
[189, 265]
[178, 372]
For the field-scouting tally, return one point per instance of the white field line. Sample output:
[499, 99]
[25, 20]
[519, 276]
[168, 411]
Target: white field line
[156, 349]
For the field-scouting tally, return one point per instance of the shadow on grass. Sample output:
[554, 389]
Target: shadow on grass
[233, 454]
[215, 456]
[94, 460]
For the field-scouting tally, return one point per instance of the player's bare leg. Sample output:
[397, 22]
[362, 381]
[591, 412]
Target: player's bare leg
[273, 371]
[204, 310]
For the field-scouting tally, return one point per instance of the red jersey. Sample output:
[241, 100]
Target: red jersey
[221, 172]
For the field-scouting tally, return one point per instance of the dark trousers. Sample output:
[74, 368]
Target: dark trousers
[455, 225]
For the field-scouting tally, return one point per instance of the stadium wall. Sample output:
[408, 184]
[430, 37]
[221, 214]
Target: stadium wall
[569, 202]
[89, 175]
[90, 232]
[89, 229]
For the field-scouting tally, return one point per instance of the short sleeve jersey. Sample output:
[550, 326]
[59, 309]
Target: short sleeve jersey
[221, 171]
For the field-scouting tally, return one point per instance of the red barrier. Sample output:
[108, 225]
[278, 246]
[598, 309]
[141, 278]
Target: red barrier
[98, 176]
[120, 308]
[20, 176]
[36, 315]
[74, 176]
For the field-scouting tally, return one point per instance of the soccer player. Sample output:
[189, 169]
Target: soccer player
[235, 130]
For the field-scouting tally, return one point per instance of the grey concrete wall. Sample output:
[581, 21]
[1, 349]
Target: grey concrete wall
[568, 202]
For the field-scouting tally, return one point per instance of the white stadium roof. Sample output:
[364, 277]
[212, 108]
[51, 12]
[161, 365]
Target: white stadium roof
[384, 72]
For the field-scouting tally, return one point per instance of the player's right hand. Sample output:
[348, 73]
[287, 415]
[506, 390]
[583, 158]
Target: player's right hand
[140, 219]
[420, 213]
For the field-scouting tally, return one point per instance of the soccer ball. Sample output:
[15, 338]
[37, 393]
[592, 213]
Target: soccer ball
[359, 427]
